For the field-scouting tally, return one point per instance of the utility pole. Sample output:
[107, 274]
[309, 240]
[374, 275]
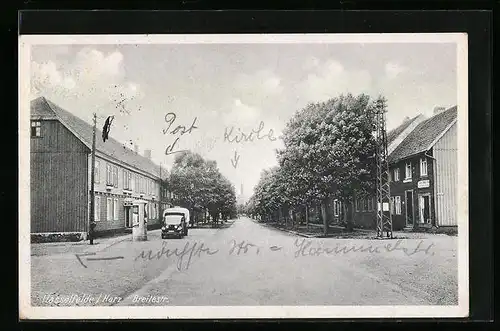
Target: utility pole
[384, 216]
[92, 192]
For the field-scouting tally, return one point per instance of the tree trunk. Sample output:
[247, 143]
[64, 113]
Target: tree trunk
[307, 216]
[324, 217]
[350, 216]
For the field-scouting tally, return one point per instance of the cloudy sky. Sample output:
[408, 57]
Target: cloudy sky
[234, 85]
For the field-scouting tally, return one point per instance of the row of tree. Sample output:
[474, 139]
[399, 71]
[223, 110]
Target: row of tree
[329, 151]
[199, 185]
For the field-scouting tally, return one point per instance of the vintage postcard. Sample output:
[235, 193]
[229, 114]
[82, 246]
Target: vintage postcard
[243, 176]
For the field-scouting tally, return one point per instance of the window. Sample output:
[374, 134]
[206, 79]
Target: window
[97, 209]
[336, 207]
[396, 174]
[408, 171]
[125, 180]
[36, 128]
[115, 176]
[143, 184]
[97, 172]
[358, 204]
[397, 204]
[109, 209]
[115, 209]
[132, 184]
[370, 204]
[423, 167]
[109, 175]
[391, 201]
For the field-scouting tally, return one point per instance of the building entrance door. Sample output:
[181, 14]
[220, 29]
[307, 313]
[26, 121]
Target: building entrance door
[409, 208]
[425, 208]
[128, 217]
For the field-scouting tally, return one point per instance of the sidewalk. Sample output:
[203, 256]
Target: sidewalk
[80, 247]
[338, 232]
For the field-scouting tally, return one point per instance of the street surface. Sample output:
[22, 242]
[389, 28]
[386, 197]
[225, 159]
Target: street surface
[249, 264]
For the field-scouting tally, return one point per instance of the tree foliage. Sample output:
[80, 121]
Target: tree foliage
[197, 182]
[329, 150]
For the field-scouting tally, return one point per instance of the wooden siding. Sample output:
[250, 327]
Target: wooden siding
[446, 170]
[58, 180]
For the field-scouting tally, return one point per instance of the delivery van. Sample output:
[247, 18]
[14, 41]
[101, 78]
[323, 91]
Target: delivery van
[175, 222]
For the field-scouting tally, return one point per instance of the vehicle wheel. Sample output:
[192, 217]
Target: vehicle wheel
[186, 232]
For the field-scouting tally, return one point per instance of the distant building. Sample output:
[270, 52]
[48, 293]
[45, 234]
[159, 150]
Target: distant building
[60, 172]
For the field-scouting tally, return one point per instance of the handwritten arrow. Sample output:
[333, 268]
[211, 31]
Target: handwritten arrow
[95, 258]
[236, 159]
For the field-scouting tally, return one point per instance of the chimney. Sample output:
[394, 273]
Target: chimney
[147, 153]
[439, 109]
[136, 149]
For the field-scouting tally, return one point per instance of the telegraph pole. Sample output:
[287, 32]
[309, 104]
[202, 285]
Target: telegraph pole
[384, 216]
[92, 192]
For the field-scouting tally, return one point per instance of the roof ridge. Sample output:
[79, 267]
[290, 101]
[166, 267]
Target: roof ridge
[112, 149]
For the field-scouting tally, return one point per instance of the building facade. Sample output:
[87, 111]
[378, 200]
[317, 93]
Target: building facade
[364, 209]
[423, 172]
[60, 177]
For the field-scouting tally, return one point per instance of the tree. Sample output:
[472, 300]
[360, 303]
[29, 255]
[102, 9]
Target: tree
[198, 183]
[329, 150]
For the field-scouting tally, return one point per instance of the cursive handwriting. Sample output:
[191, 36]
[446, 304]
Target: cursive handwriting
[247, 137]
[170, 119]
[242, 247]
[180, 129]
[184, 256]
[305, 248]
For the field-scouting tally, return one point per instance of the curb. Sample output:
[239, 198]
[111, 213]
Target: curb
[285, 230]
[307, 235]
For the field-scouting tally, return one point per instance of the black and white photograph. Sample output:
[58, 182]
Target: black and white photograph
[243, 176]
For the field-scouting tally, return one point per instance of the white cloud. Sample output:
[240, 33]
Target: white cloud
[91, 76]
[330, 79]
[311, 63]
[47, 75]
[242, 115]
[257, 87]
[392, 70]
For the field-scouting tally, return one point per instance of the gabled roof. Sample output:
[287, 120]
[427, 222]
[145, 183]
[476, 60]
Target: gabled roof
[394, 133]
[425, 135]
[45, 109]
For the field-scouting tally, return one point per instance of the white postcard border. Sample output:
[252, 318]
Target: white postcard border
[26, 311]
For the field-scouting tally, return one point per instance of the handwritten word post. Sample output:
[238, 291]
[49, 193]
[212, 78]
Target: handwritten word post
[180, 129]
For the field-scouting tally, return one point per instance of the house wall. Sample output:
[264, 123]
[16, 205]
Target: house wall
[446, 180]
[58, 180]
[399, 188]
[142, 187]
[365, 213]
